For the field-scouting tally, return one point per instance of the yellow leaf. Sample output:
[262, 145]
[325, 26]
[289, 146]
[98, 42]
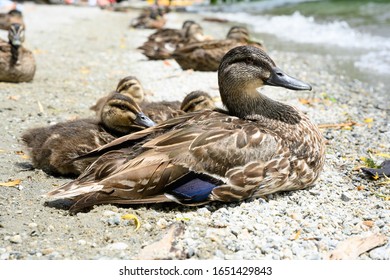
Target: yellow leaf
[84, 70]
[383, 155]
[11, 183]
[134, 218]
[297, 234]
[376, 177]
[368, 120]
[183, 219]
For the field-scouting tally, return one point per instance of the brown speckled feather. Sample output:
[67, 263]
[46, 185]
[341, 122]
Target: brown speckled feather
[22, 71]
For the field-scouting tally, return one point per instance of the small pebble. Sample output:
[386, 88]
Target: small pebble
[16, 239]
[81, 242]
[345, 198]
[117, 246]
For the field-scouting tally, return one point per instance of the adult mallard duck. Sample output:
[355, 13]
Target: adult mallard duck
[17, 64]
[52, 148]
[13, 16]
[257, 147]
[162, 43]
[207, 55]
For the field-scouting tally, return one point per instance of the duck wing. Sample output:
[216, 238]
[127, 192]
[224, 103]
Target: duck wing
[186, 163]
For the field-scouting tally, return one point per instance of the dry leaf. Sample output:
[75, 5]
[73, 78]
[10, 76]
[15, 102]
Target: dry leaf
[360, 188]
[353, 247]
[11, 183]
[134, 218]
[383, 155]
[368, 223]
[167, 63]
[84, 70]
[163, 248]
[14, 97]
[346, 125]
[368, 120]
[296, 235]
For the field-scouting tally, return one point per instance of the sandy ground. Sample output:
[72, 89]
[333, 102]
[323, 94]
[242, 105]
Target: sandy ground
[81, 54]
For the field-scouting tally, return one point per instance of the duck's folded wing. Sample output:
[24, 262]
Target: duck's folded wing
[209, 149]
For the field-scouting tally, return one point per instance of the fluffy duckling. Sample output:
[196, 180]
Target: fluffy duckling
[52, 148]
[162, 43]
[207, 55]
[256, 147]
[165, 110]
[161, 110]
[17, 64]
[129, 86]
[13, 16]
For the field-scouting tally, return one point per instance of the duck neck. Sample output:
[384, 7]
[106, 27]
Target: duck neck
[14, 54]
[250, 104]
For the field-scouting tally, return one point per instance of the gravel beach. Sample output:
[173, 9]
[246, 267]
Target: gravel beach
[81, 54]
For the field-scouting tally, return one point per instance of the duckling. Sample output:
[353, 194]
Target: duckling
[207, 55]
[129, 86]
[53, 148]
[161, 110]
[17, 64]
[13, 16]
[165, 110]
[162, 43]
[197, 100]
[150, 18]
[257, 146]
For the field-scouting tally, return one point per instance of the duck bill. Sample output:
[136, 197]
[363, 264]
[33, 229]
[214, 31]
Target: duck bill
[280, 79]
[144, 121]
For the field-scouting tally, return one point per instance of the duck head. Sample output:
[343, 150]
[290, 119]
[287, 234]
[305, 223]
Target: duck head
[122, 115]
[16, 34]
[130, 86]
[196, 101]
[244, 69]
[194, 32]
[238, 33]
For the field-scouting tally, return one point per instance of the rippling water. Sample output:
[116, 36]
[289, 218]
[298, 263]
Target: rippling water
[356, 33]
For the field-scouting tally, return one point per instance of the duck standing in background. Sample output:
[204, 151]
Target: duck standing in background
[256, 147]
[17, 64]
[53, 148]
[207, 55]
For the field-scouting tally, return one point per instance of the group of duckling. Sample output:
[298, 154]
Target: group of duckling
[189, 152]
[123, 111]
[191, 48]
[17, 64]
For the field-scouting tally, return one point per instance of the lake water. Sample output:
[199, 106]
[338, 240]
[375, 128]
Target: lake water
[356, 33]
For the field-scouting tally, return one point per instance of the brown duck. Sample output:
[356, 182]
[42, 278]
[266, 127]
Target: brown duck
[162, 43]
[161, 110]
[150, 18]
[17, 64]
[13, 16]
[52, 148]
[257, 147]
[207, 55]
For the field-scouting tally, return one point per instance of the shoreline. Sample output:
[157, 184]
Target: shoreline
[82, 53]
